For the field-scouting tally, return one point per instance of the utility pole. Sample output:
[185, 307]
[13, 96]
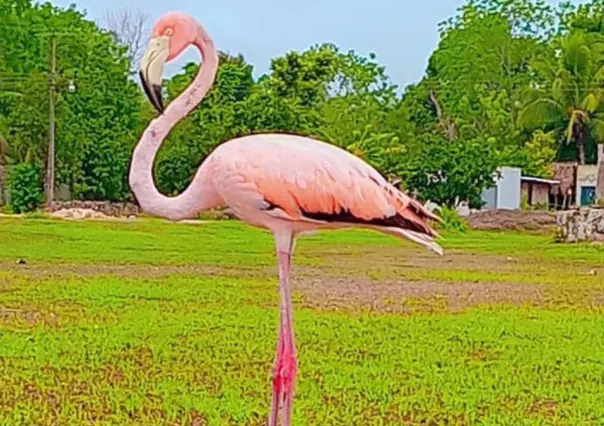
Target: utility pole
[50, 169]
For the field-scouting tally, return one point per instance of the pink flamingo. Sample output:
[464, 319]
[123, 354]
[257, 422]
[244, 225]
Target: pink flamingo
[285, 183]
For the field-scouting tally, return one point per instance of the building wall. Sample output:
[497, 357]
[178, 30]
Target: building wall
[506, 193]
[489, 198]
[587, 175]
[540, 193]
[508, 188]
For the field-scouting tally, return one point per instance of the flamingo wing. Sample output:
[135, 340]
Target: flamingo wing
[300, 179]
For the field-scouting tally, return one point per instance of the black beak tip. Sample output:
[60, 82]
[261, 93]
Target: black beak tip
[154, 93]
[157, 92]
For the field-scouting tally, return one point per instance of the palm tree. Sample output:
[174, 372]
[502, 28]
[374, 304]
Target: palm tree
[571, 103]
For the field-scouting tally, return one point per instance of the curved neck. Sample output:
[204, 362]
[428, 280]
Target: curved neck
[200, 194]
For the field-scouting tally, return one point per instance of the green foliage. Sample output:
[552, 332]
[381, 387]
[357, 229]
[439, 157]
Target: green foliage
[512, 82]
[540, 153]
[448, 171]
[478, 68]
[526, 17]
[222, 116]
[103, 110]
[587, 17]
[570, 101]
[451, 220]
[25, 187]
[103, 166]
[524, 202]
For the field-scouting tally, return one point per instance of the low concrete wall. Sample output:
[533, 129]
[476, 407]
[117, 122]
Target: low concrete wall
[580, 225]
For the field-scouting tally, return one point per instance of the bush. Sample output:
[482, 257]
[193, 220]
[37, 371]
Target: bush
[451, 220]
[25, 188]
[104, 172]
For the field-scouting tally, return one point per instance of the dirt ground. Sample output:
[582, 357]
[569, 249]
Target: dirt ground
[393, 283]
[403, 296]
[520, 220]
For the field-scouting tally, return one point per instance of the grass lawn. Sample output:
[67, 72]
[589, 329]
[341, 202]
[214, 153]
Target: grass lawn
[150, 323]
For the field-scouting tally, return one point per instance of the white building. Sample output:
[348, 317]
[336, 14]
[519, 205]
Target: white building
[506, 193]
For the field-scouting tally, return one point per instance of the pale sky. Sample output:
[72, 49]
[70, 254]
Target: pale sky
[402, 33]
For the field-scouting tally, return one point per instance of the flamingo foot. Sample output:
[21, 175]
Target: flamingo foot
[289, 377]
[284, 376]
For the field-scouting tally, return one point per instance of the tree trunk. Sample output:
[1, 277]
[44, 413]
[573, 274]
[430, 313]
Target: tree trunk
[446, 123]
[600, 181]
[581, 150]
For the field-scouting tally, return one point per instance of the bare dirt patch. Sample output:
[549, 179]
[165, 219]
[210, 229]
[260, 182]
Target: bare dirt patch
[345, 293]
[543, 407]
[126, 271]
[512, 220]
[382, 281]
[27, 315]
[404, 258]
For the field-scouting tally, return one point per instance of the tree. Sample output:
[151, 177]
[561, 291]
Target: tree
[445, 136]
[570, 101]
[483, 62]
[289, 97]
[103, 110]
[540, 152]
[25, 187]
[589, 18]
[446, 171]
[221, 116]
[535, 18]
[130, 29]
[476, 79]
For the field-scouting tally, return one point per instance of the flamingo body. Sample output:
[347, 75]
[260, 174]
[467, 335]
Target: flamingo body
[288, 183]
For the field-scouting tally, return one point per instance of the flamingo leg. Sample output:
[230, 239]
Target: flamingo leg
[286, 364]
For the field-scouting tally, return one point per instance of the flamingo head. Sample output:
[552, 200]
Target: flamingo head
[172, 34]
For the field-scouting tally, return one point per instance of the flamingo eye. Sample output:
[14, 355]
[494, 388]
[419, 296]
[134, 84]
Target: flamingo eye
[169, 32]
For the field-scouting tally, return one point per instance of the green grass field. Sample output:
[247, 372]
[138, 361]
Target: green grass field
[149, 323]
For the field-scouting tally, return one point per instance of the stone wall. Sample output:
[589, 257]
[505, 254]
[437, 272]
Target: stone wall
[580, 225]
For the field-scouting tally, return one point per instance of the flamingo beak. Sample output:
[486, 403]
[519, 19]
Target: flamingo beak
[152, 69]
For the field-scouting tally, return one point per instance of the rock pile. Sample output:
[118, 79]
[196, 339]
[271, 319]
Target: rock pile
[92, 210]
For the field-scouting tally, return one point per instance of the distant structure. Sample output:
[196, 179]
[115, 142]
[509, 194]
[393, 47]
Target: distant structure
[578, 184]
[511, 188]
[537, 191]
[506, 192]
